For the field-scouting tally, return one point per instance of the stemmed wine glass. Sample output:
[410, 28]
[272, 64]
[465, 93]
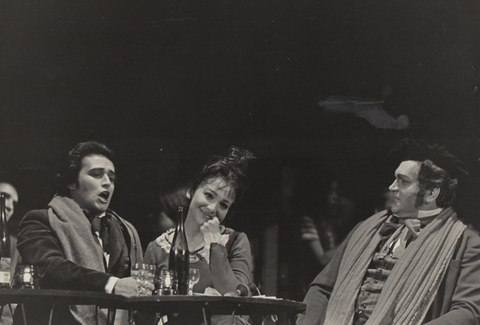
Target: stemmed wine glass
[194, 277]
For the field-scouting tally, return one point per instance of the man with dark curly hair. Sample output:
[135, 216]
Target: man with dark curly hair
[414, 263]
[78, 243]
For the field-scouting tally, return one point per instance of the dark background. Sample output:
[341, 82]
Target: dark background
[168, 83]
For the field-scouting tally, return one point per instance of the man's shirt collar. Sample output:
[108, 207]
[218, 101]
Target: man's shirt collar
[421, 213]
[428, 213]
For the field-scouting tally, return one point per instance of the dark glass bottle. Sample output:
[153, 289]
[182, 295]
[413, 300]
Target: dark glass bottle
[179, 259]
[5, 261]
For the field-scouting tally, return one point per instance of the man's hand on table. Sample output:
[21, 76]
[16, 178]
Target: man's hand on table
[130, 287]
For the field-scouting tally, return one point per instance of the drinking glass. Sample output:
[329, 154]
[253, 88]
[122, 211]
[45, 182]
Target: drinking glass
[26, 277]
[151, 273]
[165, 282]
[194, 278]
[143, 272]
[135, 271]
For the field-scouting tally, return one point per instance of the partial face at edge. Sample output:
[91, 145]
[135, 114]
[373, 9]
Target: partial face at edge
[95, 184]
[11, 198]
[212, 198]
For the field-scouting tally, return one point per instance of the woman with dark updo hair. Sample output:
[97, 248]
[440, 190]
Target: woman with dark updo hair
[221, 254]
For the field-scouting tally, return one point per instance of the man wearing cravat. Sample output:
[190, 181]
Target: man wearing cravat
[74, 254]
[414, 263]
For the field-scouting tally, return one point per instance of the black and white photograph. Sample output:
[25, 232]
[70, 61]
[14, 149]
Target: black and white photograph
[239, 162]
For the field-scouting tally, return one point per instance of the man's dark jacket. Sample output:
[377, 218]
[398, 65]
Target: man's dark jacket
[39, 245]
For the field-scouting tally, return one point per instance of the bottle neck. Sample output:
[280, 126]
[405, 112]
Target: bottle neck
[180, 220]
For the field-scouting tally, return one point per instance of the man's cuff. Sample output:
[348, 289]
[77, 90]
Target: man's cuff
[111, 282]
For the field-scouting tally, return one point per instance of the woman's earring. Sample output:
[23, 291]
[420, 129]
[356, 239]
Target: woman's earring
[188, 194]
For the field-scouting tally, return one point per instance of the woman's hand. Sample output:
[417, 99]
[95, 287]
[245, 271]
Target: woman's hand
[211, 226]
[308, 230]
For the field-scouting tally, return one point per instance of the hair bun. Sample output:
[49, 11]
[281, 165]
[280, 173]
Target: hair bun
[238, 159]
[231, 167]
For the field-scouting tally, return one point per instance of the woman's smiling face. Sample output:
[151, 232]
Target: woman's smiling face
[213, 198]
